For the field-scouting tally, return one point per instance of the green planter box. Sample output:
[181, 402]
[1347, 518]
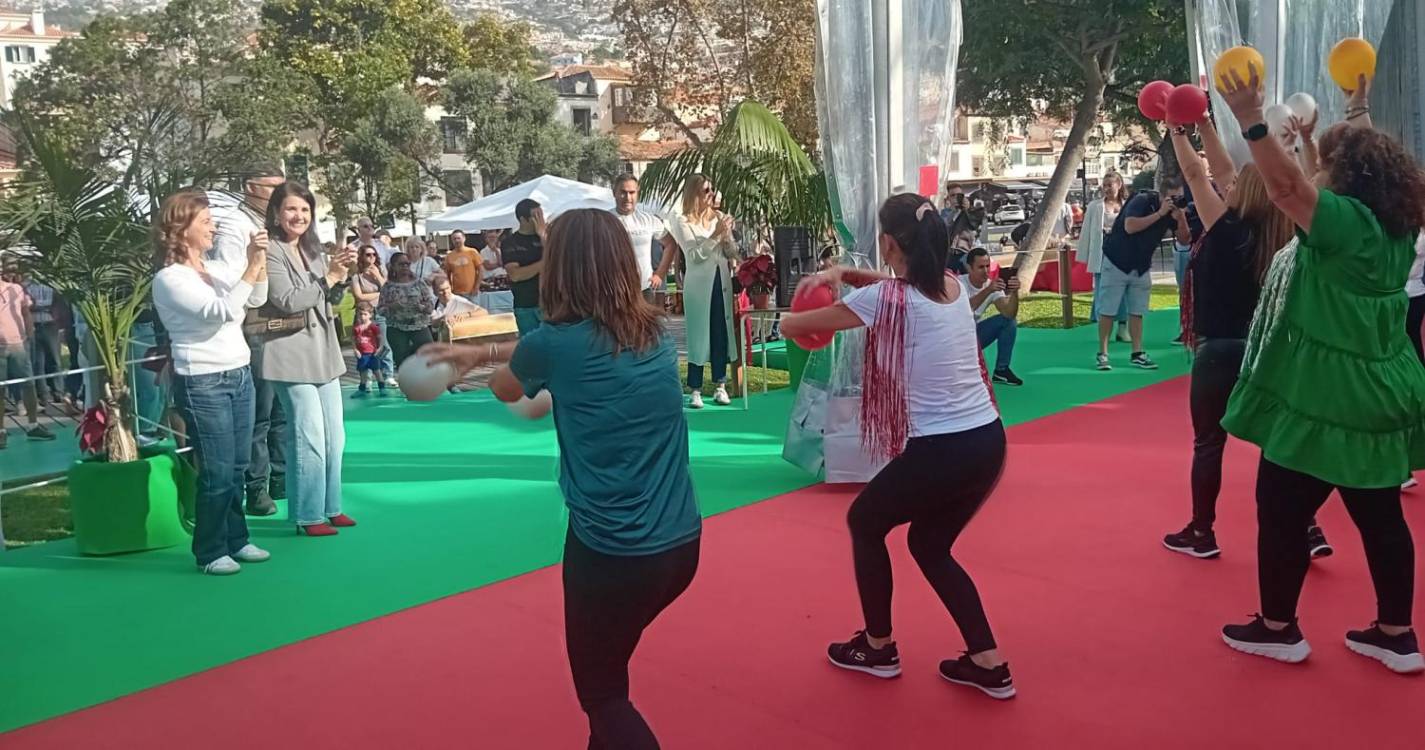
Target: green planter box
[133, 506]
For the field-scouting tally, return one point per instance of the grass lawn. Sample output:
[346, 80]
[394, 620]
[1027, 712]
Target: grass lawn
[36, 515]
[1045, 309]
[754, 375]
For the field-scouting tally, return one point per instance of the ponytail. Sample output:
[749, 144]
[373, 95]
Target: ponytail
[921, 234]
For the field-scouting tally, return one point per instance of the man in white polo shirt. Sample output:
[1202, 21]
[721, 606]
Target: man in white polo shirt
[644, 228]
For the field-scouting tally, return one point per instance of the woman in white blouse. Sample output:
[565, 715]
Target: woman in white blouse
[705, 237]
[1099, 219]
[202, 305]
[422, 264]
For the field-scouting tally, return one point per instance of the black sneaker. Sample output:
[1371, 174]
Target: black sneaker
[1007, 376]
[996, 683]
[858, 655]
[1401, 653]
[1143, 361]
[1257, 639]
[1189, 541]
[1316, 543]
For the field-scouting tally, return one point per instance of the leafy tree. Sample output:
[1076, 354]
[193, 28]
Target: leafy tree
[513, 135]
[355, 50]
[694, 59]
[1071, 59]
[174, 91]
[499, 45]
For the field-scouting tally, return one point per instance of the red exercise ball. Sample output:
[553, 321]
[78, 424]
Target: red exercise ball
[1187, 105]
[1153, 99]
[813, 298]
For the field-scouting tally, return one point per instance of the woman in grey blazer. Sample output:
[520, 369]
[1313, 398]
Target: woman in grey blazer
[306, 366]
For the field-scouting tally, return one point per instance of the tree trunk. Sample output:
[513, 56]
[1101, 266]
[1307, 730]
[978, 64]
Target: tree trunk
[1064, 174]
[119, 443]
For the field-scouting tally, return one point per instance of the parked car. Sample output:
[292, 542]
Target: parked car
[1011, 213]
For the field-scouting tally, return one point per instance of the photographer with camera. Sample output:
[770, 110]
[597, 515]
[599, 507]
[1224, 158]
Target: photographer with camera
[1128, 263]
[1003, 294]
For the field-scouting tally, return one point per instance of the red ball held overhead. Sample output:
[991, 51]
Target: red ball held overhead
[813, 298]
[1153, 100]
[1187, 105]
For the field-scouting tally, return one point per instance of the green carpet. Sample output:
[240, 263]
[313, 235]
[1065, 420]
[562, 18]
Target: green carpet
[450, 496]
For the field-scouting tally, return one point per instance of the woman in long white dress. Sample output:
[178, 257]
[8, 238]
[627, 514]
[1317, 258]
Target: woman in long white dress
[705, 238]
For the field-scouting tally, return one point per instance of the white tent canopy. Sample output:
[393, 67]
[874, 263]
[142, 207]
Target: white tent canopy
[497, 210]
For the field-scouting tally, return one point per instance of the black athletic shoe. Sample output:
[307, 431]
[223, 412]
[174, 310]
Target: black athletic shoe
[1202, 545]
[996, 683]
[857, 654]
[1007, 377]
[1401, 653]
[1257, 639]
[1316, 542]
[1142, 361]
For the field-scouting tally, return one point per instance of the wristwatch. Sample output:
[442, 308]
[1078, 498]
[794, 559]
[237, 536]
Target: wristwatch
[1256, 132]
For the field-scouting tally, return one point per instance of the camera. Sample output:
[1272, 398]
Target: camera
[1180, 201]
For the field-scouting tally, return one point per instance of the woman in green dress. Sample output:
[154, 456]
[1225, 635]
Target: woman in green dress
[1330, 388]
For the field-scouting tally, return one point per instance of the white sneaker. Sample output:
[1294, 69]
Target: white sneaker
[1410, 484]
[223, 566]
[696, 400]
[252, 553]
[391, 383]
[720, 396]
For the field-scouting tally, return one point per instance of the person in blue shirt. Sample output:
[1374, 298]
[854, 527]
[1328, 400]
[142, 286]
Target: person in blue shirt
[611, 368]
[1128, 264]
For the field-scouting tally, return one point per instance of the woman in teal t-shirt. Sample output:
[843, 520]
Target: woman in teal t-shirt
[1330, 388]
[634, 526]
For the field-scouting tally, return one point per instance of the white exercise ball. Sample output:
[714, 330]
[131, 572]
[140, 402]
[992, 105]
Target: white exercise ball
[1277, 117]
[532, 408]
[1302, 105]
[422, 380]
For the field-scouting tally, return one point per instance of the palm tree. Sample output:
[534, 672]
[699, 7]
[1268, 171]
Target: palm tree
[765, 177]
[85, 236]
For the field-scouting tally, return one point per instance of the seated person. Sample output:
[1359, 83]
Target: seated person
[1003, 293]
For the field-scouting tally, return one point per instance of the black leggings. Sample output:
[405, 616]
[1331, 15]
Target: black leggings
[608, 601]
[1414, 318]
[1286, 502]
[936, 486]
[405, 343]
[1215, 366]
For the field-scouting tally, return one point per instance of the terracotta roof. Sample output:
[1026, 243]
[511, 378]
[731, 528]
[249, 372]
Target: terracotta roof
[632, 149]
[601, 72]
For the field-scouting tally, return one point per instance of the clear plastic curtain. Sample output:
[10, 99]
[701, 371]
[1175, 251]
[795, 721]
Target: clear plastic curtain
[845, 90]
[1294, 36]
[931, 38]
[1396, 95]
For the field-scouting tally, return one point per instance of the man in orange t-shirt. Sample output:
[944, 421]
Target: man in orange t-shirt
[462, 267]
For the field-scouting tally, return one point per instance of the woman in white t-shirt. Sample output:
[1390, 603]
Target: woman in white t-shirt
[1099, 219]
[928, 406]
[202, 305]
[423, 266]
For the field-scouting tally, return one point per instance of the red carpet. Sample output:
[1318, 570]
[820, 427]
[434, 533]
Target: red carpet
[1113, 640]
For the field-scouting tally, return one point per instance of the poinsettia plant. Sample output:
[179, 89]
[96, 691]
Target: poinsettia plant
[758, 274]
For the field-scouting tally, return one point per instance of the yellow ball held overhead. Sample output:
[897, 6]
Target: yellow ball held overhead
[1237, 60]
[1350, 59]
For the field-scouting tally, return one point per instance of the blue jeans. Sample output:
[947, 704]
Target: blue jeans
[717, 341]
[1181, 255]
[217, 411]
[268, 467]
[388, 358]
[998, 328]
[527, 319]
[1094, 311]
[316, 438]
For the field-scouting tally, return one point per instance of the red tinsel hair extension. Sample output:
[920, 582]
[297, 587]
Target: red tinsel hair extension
[885, 412]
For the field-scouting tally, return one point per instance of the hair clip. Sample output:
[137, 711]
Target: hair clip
[924, 208]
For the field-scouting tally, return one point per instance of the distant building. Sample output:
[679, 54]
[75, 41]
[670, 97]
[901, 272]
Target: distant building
[599, 99]
[566, 59]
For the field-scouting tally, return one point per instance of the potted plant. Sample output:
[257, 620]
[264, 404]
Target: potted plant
[758, 275]
[86, 236]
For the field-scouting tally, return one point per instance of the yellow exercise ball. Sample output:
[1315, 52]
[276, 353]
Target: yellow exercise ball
[1237, 59]
[1351, 58]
